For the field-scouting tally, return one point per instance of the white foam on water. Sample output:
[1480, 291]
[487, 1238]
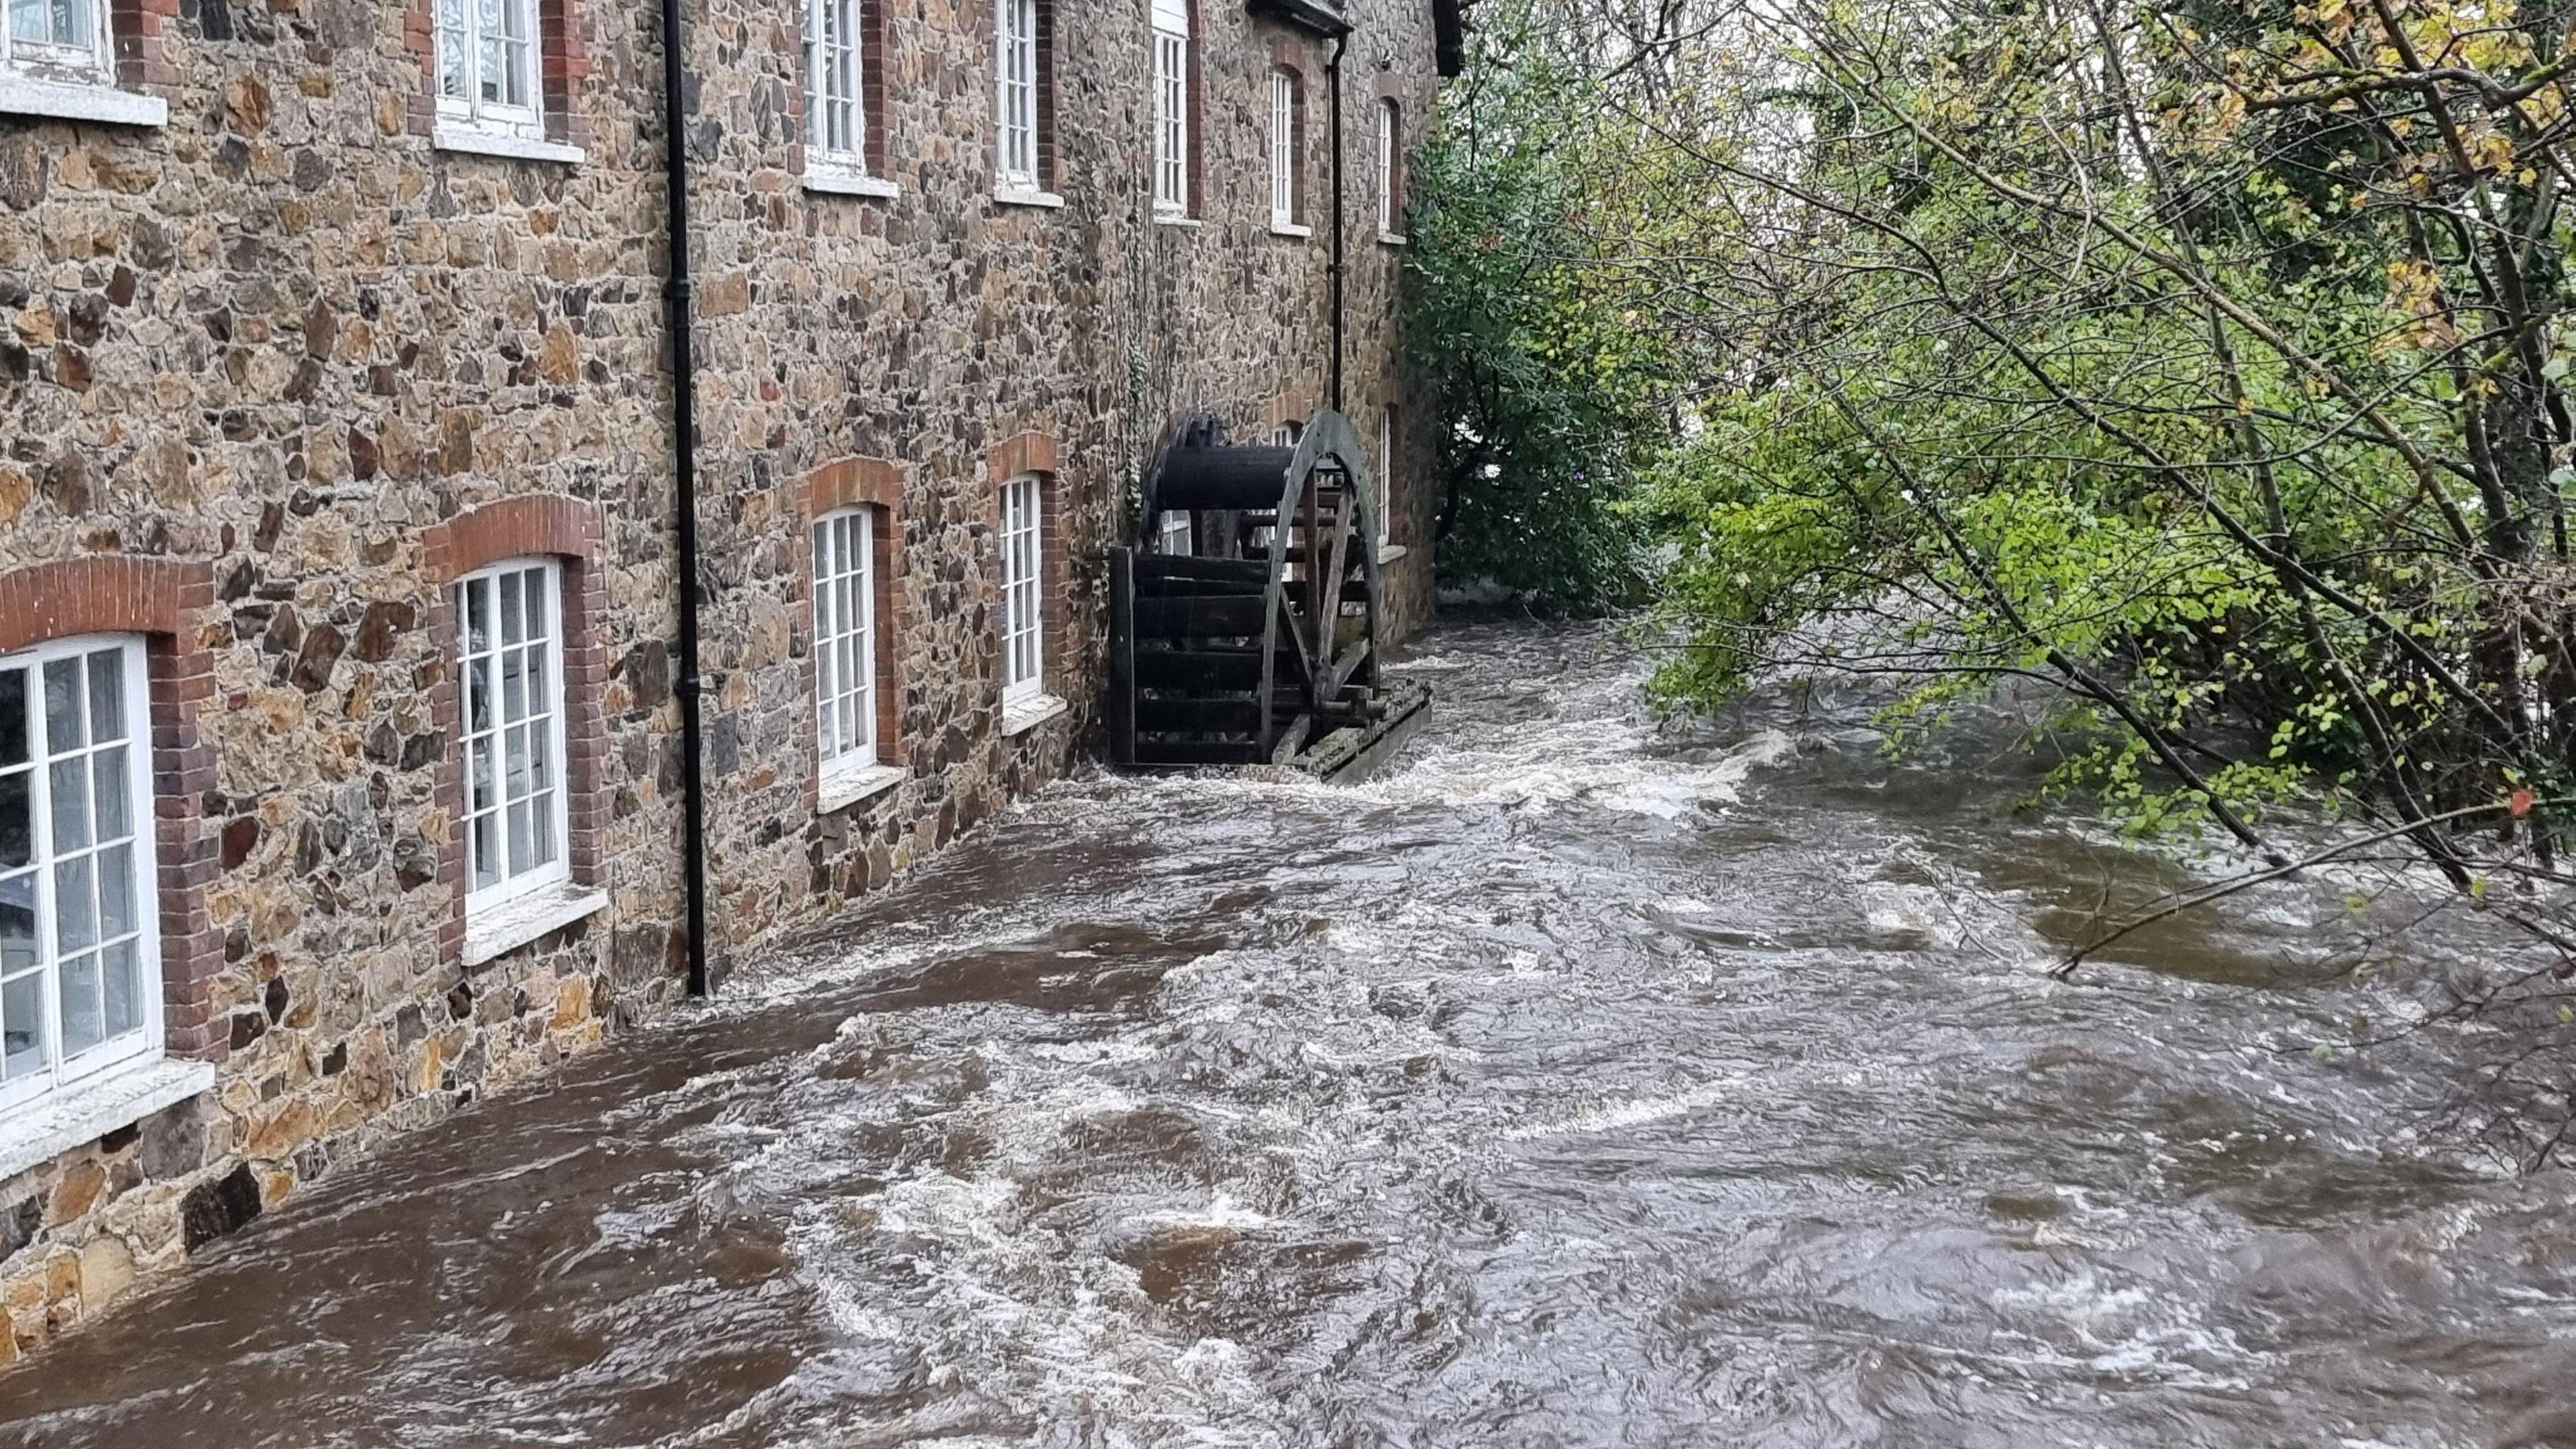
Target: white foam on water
[1632, 1114]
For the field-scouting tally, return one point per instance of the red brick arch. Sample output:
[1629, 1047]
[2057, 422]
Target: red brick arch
[161, 599]
[533, 523]
[101, 594]
[839, 484]
[1022, 453]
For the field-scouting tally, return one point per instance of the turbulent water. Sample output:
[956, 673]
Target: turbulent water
[1575, 1083]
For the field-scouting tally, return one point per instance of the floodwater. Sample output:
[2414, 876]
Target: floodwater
[1575, 1083]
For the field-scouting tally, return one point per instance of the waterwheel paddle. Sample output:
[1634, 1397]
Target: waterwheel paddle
[1252, 635]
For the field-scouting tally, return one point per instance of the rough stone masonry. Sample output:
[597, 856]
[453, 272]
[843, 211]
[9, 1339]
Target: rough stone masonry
[281, 367]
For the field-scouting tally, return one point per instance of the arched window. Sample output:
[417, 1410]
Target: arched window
[1023, 592]
[80, 954]
[845, 641]
[511, 676]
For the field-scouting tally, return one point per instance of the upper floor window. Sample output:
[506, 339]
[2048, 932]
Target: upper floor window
[1023, 638]
[487, 66]
[1390, 170]
[845, 634]
[1017, 95]
[836, 99]
[58, 40]
[1284, 150]
[79, 946]
[510, 681]
[1171, 38]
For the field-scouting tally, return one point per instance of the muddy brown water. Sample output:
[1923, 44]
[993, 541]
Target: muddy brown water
[1575, 1083]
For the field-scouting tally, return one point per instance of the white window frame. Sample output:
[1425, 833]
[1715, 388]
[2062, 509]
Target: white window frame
[90, 64]
[845, 639]
[480, 675]
[1016, 96]
[141, 1043]
[836, 87]
[1023, 591]
[519, 30]
[1172, 533]
[1170, 39]
[1390, 141]
[1283, 150]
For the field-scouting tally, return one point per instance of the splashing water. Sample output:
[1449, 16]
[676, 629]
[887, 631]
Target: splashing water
[1580, 1082]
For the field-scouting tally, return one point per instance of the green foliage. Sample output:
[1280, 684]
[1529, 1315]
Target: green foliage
[1551, 399]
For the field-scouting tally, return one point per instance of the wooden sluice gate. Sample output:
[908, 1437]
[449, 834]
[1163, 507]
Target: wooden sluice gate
[1250, 633]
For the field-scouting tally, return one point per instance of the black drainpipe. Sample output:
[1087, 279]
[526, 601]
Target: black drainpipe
[1333, 92]
[684, 463]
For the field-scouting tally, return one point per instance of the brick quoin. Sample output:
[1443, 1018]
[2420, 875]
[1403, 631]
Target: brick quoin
[529, 526]
[162, 600]
[135, 28]
[875, 484]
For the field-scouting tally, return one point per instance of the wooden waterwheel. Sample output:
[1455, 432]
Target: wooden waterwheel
[1245, 621]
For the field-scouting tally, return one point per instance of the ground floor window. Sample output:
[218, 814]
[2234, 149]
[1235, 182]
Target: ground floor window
[79, 946]
[509, 644]
[1172, 533]
[1023, 643]
[845, 660]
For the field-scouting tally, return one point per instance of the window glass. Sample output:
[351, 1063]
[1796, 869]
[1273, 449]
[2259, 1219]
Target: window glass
[845, 636]
[1015, 102]
[510, 686]
[487, 62]
[1023, 666]
[78, 918]
[1283, 148]
[835, 119]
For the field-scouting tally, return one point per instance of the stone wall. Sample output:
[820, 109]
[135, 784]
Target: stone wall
[286, 344]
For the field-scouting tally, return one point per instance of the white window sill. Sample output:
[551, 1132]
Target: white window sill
[512, 924]
[25, 95]
[1391, 238]
[89, 1110]
[1017, 196]
[841, 785]
[450, 136]
[1290, 228]
[1019, 716]
[1182, 220]
[850, 183]
[1388, 553]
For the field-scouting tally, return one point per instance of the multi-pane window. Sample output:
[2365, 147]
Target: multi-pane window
[64, 39]
[1283, 149]
[79, 954]
[1023, 649]
[1390, 182]
[1172, 533]
[1015, 100]
[487, 62]
[510, 689]
[1171, 106]
[845, 658]
[835, 107]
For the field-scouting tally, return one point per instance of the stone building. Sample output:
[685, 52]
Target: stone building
[342, 769]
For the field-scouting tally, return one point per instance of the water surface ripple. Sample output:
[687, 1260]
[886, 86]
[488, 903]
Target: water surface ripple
[1577, 1083]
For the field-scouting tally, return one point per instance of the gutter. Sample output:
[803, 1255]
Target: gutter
[684, 465]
